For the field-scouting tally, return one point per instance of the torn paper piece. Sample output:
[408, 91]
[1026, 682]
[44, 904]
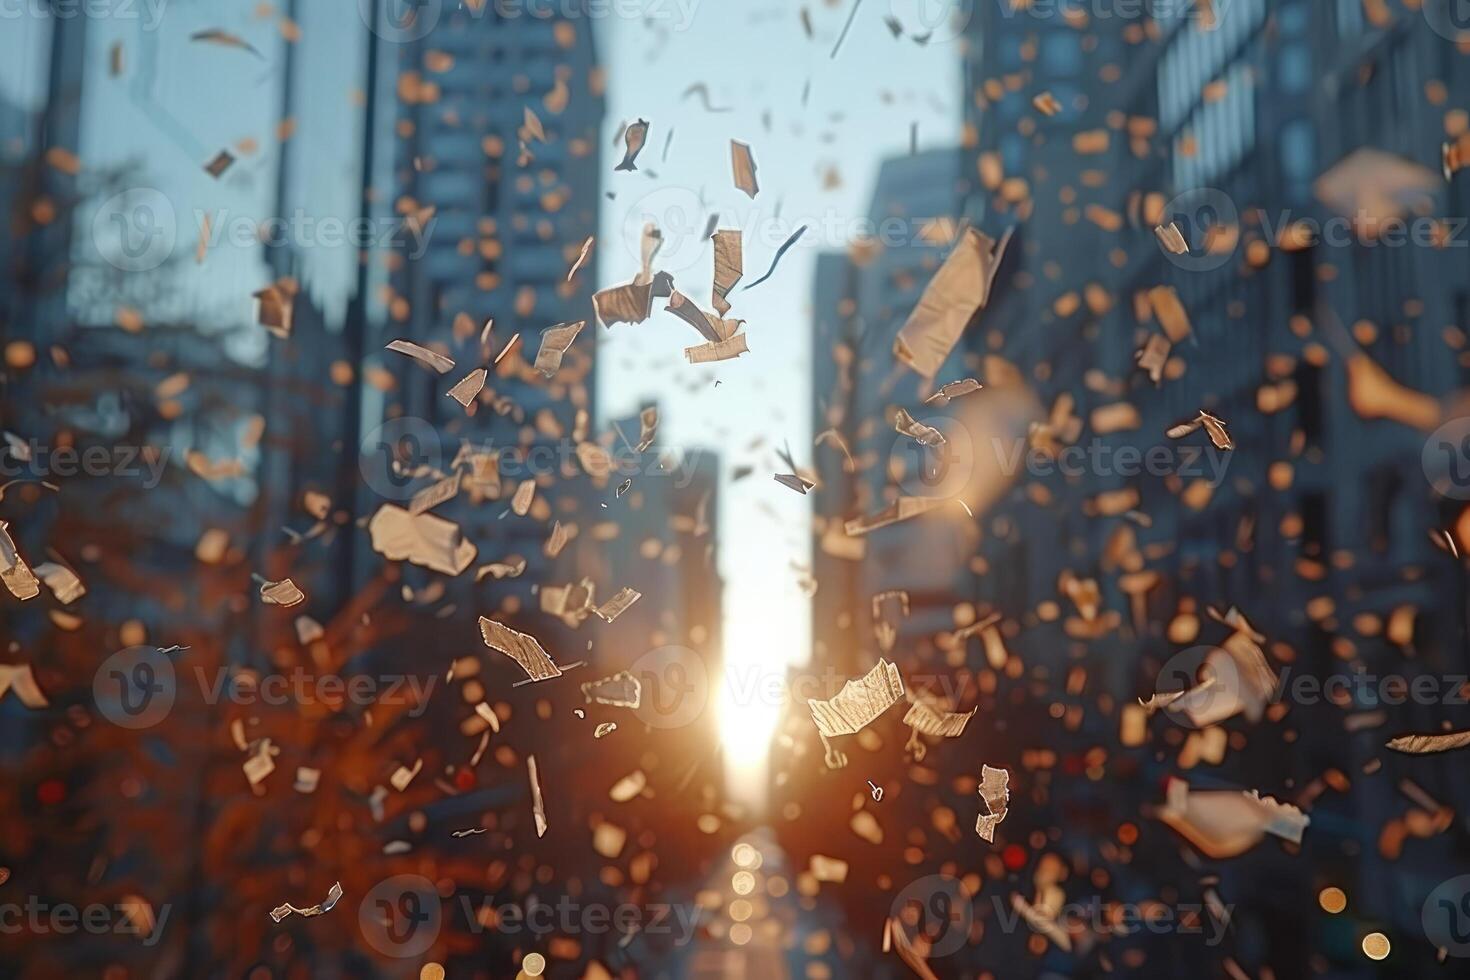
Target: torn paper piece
[423, 355]
[520, 647]
[634, 138]
[953, 390]
[617, 605]
[469, 387]
[525, 493]
[502, 569]
[957, 292]
[621, 690]
[1213, 426]
[859, 702]
[581, 257]
[729, 267]
[1154, 356]
[928, 719]
[648, 427]
[725, 350]
[555, 341]
[831, 869]
[1233, 680]
[282, 593]
[924, 435]
[538, 806]
[275, 306]
[1170, 238]
[1426, 744]
[333, 897]
[902, 509]
[1169, 311]
[605, 728]
[995, 793]
[742, 162]
[1225, 823]
[435, 494]
[403, 775]
[798, 483]
[425, 540]
[16, 574]
[22, 680]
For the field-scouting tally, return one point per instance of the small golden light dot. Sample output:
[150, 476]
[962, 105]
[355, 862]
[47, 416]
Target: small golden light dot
[743, 855]
[1375, 946]
[740, 934]
[743, 882]
[534, 964]
[431, 971]
[740, 910]
[1332, 900]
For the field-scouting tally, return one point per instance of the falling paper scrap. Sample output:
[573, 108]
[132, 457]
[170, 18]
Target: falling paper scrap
[469, 387]
[996, 793]
[634, 137]
[225, 40]
[1171, 239]
[538, 806]
[435, 494]
[1211, 425]
[617, 605]
[743, 165]
[423, 355]
[953, 390]
[14, 571]
[791, 240]
[275, 306]
[924, 435]
[798, 483]
[555, 341]
[282, 593]
[470, 832]
[220, 162]
[1046, 104]
[729, 267]
[333, 897]
[1154, 357]
[902, 509]
[1425, 744]
[605, 728]
[1237, 680]
[859, 702]
[648, 427]
[520, 647]
[20, 679]
[425, 540]
[724, 350]
[958, 290]
[621, 690]
[581, 257]
[1225, 823]
[925, 717]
